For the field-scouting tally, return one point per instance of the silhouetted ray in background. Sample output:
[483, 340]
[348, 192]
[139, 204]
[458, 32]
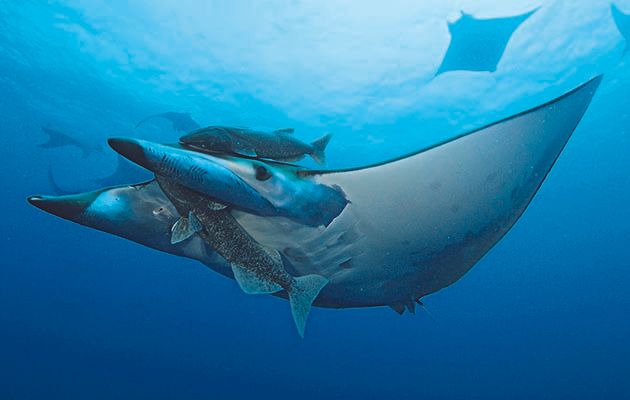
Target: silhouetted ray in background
[623, 24]
[182, 122]
[478, 44]
[58, 139]
[56, 189]
[126, 172]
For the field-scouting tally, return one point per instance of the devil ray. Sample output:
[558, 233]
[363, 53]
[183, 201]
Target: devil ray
[410, 227]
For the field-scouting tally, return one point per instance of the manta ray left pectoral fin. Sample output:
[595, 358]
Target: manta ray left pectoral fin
[185, 228]
[252, 284]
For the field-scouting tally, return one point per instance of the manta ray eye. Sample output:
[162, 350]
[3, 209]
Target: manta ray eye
[262, 174]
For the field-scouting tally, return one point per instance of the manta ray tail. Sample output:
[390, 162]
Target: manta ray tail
[301, 296]
[319, 146]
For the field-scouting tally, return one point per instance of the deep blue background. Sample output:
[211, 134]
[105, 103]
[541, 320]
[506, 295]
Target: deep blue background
[87, 315]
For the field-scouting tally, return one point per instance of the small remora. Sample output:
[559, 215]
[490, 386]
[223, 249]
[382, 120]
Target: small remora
[253, 186]
[278, 145]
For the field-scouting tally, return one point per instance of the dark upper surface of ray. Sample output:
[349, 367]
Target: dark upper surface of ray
[477, 44]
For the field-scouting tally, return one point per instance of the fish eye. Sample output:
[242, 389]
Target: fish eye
[262, 173]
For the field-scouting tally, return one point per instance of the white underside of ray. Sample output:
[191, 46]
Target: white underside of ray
[452, 202]
[419, 223]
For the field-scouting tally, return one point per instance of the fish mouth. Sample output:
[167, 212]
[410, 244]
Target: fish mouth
[189, 139]
[69, 207]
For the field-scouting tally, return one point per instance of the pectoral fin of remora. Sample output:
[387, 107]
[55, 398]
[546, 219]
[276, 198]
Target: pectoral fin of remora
[252, 284]
[185, 228]
[245, 149]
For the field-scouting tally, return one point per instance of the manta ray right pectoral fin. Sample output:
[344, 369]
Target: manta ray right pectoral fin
[185, 228]
[301, 296]
[252, 284]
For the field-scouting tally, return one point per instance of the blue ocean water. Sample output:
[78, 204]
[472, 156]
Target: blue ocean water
[84, 314]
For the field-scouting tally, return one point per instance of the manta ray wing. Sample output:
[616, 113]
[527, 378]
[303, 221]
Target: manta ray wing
[426, 219]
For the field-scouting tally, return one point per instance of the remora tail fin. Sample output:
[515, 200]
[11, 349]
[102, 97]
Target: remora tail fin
[301, 296]
[319, 146]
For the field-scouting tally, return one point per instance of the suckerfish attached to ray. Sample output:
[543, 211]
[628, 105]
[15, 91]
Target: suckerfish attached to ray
[257, 269]
[280, 145]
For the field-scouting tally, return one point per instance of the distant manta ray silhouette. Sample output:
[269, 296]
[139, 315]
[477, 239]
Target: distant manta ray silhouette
[622, 21]
[477, 44]
[58, 139]
[126, 172]
[181, 122]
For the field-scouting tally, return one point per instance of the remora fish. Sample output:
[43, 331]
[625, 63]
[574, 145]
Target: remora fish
[251, 189]
[278, 145]
[181, 122]
[436, 213]
[256, 268]
[59, 139]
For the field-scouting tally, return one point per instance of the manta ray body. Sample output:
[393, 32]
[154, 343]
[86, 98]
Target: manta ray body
[410, 227]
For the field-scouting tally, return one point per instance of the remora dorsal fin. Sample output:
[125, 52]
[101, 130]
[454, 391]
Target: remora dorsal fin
[285, 131]
[185, 228]
[251, 284]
